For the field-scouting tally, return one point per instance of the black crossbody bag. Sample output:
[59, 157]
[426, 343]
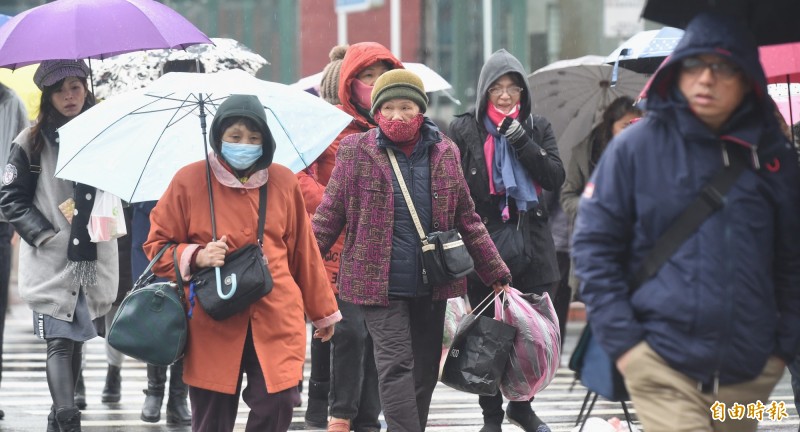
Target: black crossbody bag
[244, 275]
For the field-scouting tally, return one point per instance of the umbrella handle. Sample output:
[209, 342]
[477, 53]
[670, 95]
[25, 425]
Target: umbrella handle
[219, 286]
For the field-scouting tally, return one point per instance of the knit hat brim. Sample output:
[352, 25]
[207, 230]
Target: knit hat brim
[400, 91]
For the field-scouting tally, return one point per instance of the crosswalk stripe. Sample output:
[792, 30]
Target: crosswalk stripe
[25, 398]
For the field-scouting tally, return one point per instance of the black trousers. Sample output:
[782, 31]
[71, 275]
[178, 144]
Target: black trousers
[6, 232]
[269, 412]
[354, 377]
[408, 345]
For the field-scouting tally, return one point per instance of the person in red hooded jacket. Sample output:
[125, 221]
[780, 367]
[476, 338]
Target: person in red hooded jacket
[353, 397]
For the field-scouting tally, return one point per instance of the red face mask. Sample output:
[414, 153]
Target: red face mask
[399, 131]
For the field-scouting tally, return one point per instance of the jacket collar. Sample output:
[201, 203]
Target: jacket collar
[227, 178]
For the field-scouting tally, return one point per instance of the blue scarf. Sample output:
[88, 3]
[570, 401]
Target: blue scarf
[508, 174]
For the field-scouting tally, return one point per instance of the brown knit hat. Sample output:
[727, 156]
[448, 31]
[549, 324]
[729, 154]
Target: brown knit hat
[329, 86]
[399, 84]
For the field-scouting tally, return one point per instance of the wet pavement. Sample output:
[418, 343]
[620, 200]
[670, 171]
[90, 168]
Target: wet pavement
[25, 399]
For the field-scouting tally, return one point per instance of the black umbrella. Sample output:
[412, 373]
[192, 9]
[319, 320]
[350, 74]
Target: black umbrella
[771, 21]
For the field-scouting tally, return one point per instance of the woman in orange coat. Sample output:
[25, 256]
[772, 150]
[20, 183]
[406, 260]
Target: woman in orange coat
[266, 340]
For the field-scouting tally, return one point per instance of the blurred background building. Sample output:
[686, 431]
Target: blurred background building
[451, 36]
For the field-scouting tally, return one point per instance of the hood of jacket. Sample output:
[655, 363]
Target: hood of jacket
[358, 57]
[243, 106]
[499, 64]
[722, 36]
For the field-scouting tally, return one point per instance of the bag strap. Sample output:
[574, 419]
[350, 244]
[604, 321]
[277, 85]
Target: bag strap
[399, 174]
[146, 276]
[178, 277]
[710, 199]
[262, 213]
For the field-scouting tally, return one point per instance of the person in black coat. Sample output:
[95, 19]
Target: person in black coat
[523, 161]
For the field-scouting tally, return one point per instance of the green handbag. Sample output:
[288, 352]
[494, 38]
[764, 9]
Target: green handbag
[150, 324]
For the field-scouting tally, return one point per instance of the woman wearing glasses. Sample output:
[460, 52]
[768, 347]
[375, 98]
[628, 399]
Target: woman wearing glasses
[509, 156]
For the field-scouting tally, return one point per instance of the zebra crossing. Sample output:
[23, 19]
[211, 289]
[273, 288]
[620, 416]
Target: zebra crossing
[26, 401]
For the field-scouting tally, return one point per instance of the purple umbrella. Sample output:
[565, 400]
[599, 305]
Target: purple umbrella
[75, 29]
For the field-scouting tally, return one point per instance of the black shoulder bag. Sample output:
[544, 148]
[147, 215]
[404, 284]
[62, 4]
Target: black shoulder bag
[244, 275]
[444, 255]
[589, 361]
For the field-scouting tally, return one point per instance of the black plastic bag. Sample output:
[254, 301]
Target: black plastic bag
[477, 358]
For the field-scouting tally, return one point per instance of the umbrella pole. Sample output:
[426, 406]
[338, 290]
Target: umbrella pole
[91, 75]
[791, 114]
[211, 196]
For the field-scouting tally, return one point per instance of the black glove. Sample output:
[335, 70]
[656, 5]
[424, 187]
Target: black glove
[511, 129]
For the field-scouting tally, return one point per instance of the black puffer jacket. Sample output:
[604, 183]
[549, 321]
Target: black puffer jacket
[538, 153]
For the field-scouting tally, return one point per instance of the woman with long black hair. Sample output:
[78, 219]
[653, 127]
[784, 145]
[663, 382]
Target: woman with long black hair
[65, 278]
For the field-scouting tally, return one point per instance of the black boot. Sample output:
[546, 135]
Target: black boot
[80, 392]
[177, 408]
[317, 409]
[521, 414]
[111, 391]
[156, 378]
[52, 424]
[69, 419]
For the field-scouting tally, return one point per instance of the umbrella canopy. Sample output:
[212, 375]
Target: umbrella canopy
[75, 29]
[781, 63]
[572, 95]
[4, 19]
[771, 21]
[130, 71]
[133, 143]
[645, 51]
[433, 81]
[21, 81]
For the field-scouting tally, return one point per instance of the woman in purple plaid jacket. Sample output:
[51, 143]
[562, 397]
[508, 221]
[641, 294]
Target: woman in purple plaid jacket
[381, 263]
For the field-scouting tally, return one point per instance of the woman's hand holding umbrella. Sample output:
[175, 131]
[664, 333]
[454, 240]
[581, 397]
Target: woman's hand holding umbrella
[213, 254]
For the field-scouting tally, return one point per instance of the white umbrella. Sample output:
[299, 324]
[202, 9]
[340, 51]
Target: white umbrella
[132, 144]
[131, 71]
[432, 81]
[572, 95]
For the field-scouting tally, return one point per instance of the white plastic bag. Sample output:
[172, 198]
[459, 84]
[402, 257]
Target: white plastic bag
[107, 221]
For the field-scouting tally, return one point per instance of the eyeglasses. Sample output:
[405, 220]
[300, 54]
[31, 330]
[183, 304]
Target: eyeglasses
[512, 91]
[696, 66]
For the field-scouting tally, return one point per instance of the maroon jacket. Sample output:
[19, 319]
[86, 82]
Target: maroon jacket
[359, 197]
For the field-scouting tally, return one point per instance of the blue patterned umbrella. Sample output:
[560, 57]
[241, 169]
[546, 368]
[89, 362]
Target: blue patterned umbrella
[644, 51]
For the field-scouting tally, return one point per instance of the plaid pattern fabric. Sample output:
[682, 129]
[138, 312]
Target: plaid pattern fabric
[359, 199]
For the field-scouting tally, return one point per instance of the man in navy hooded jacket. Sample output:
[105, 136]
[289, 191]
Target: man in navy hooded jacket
[721, 318]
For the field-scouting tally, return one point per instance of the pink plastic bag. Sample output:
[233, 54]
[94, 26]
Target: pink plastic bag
[536, 355]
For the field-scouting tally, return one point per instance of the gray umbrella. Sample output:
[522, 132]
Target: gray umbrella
[135, 70]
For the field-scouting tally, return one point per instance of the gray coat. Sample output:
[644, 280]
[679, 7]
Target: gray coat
[43, 283]
[579, 168]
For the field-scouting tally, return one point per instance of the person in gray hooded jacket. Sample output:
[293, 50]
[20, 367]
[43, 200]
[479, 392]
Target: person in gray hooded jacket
[507, 190]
